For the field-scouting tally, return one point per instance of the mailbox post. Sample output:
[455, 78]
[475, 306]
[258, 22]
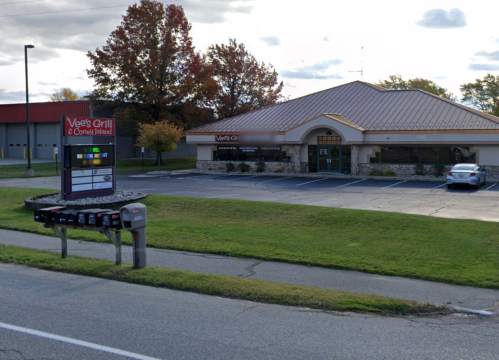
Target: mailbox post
[134, 219]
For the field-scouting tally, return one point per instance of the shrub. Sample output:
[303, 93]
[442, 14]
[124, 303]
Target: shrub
[260, 167]
[278, 170]
[419, 169]
[438, 170]
[229, 167]
[390, 173]
[376, 172]
[243, 167]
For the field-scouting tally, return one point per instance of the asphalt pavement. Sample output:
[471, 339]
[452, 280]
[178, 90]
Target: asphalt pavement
[413, 289]
[49, 315]
[429, 198]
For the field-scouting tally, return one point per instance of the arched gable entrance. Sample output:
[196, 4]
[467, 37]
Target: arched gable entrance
[326, 151]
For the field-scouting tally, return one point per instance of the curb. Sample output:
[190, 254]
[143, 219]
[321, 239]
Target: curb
[472, 311]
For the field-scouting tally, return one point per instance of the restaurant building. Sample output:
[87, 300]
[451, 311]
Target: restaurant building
[351, 129]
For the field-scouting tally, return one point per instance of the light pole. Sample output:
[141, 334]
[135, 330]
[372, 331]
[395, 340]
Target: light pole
[29, 171]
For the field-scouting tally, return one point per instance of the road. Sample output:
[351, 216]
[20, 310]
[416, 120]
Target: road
[165, 324]
[404, 288]
[411, 197]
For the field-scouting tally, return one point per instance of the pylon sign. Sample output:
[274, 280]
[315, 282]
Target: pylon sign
[88, 170]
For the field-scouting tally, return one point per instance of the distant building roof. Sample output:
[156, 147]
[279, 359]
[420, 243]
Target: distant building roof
[364, 106]
[43, 112]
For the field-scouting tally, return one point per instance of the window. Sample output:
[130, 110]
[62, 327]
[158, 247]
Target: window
[250, 153]
[346, 159]
[454, 155]
[312, 158]
[328, 140]
[270, 153]
[423, 155]
[394, 155]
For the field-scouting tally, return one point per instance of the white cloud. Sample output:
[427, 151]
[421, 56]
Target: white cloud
[441, 19]
[483, 67]
[493, 55]
[315, 71]
[271, 40]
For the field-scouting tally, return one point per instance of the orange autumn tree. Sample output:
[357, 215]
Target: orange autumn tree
[243, 83]
[161, 137]
[149, 67]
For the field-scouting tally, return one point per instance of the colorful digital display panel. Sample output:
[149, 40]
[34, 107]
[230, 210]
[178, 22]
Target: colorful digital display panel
[85, 156]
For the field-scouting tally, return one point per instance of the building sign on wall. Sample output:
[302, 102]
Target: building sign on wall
[226, 138]
[88, 127]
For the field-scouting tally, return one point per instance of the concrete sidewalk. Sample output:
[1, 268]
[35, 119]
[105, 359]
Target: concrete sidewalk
[426, 291]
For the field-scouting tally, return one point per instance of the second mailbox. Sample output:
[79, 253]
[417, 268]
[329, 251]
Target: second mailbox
[133, 216]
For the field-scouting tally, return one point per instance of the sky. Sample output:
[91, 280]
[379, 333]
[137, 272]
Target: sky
[313, 44]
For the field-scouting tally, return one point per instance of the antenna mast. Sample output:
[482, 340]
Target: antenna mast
[361, 71]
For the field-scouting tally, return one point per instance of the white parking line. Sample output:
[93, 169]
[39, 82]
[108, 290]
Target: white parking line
[212, 197]
[350, 183]
[323, 201]
[284, 178]
[491, 186]
[309, 182]
[389, 186]
[439, 186]
[76, 342]
[198, 177]
[245, 177]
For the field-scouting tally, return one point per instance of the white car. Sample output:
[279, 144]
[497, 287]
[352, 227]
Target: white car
[470, 174]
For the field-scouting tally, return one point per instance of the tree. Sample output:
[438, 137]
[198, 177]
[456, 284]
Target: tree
[64, 94]
[161, 136]
[243, 83]
[483, 94]
[148, 65]
[395, 82]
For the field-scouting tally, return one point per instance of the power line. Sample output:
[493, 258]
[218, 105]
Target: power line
[66, 11]
[20, 2]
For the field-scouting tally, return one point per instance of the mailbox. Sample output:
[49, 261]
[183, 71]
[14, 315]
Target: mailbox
[84, 215]
[46, 215]
[111, 219]
[134, 219]
[62, 217]
[133, 216]
[94, 218]
[36, 215]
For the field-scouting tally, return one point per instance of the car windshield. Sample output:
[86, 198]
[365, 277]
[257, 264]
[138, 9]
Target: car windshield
[464, 167]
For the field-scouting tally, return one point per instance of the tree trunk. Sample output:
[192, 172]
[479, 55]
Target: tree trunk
[159, 160]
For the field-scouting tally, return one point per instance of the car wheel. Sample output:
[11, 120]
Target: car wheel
[449, 186]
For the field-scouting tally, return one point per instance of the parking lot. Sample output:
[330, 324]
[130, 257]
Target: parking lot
[413, 197]
[429, 198]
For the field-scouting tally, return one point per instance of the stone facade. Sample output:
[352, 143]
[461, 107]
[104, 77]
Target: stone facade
[403, 170]
[270, 167]
[407, 170]
[354, 158]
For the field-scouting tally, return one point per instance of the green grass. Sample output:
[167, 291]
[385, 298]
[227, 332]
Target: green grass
[122, 166]
[219, 285]
[446, 250]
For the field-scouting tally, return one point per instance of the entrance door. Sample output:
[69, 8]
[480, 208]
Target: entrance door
[323, 154]
[334, 156]
[329, 158]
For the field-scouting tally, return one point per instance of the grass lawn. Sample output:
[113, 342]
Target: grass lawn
[219, 285]
[446, 250]
[122, 166]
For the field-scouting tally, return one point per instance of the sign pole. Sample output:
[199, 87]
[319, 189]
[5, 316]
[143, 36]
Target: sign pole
[142, 158]
[63, 189]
